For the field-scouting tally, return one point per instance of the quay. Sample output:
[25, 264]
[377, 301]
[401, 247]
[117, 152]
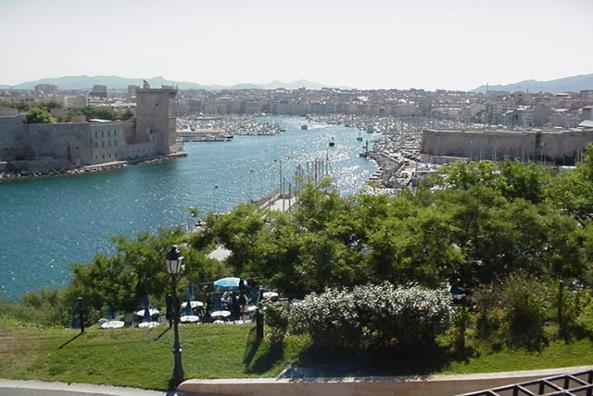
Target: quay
[101, 167]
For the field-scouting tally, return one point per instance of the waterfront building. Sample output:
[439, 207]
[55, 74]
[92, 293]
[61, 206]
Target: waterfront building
[557, 146]
[46, 147]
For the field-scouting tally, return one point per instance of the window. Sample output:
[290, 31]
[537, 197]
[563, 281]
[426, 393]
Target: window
[102, 133]
[103, 144]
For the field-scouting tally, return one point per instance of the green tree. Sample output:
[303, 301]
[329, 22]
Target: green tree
[39, 116]
[573, 191]
[126, 115]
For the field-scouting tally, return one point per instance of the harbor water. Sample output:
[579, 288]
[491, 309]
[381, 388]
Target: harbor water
[48, 223]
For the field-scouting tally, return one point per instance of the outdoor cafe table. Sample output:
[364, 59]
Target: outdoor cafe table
[150, 311]
[220, 314]
[189, 319]
[194, 304]
[148, 325]
[112, 324]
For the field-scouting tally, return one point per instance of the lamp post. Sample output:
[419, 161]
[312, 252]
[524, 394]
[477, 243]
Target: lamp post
[80, 314]
[173, 261]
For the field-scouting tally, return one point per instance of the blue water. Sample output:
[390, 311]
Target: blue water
[48, 223]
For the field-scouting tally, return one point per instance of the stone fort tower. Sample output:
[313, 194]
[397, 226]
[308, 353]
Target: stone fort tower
[156, 113]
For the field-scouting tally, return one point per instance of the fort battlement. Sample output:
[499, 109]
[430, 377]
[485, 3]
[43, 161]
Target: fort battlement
[71, 145]
[561, 147]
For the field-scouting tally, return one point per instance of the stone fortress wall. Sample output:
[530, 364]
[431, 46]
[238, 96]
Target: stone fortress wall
[562, 147]
[44, 147]
[156, 101]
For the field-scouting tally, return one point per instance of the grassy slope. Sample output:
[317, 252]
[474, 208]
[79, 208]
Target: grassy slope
[131, 357]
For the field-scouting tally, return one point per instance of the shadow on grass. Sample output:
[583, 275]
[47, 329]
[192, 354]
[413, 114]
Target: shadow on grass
[158, 337]
[420, 361]
[269, 355]
[251, 347]
[70, 340]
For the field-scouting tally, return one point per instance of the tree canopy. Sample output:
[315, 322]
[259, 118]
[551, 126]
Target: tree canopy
[472, 224]
[39, 116]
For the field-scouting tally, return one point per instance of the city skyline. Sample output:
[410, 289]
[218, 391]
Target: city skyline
[377, 44]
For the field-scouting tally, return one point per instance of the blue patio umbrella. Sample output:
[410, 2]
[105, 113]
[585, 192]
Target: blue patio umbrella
[227, 283]
[146, 304]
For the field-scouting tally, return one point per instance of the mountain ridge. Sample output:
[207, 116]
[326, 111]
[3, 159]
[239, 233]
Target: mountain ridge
[566, 84]
[117, 82]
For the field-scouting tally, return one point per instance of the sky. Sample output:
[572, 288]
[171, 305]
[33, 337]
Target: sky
[430, 44]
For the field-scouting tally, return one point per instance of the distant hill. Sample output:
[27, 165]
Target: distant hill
[117, 82]
[567, 84]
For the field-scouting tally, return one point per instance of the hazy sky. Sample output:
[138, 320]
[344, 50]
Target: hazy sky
[457, 44]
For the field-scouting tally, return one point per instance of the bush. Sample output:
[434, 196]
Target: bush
[513, 312]
[584, 321]
[524, 302]
[330, 317]
[276, 318]
[373, 316]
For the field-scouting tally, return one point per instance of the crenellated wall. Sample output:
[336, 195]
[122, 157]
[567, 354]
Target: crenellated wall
[73, 144]
[562, 147]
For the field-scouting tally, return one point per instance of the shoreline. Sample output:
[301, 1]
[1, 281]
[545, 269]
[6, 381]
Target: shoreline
[267, 169]
[7, 177]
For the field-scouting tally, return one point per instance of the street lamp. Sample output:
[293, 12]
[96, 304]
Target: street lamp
[174, 267]
[80, 314]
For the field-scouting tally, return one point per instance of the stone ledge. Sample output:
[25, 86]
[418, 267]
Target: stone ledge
[368, 386]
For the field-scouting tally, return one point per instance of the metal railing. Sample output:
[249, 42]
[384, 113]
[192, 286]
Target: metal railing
[580, 383]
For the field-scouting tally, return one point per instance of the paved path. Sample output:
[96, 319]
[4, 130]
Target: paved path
[293, 383]
[282, 205]
[275, 204]
[34, 388]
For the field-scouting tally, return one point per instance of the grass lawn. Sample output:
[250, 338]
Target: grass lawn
[131, 357]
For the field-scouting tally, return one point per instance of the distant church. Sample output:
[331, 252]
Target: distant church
[69, 145]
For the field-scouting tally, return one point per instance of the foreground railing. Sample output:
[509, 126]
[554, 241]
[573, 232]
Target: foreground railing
[580, 383]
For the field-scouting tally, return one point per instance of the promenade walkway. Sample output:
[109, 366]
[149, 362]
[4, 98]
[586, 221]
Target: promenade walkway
[35, 388]
[437, 385]
[274, 203]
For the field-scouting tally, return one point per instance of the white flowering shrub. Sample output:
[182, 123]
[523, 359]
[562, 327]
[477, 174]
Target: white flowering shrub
[332, 316]
[378, 315]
